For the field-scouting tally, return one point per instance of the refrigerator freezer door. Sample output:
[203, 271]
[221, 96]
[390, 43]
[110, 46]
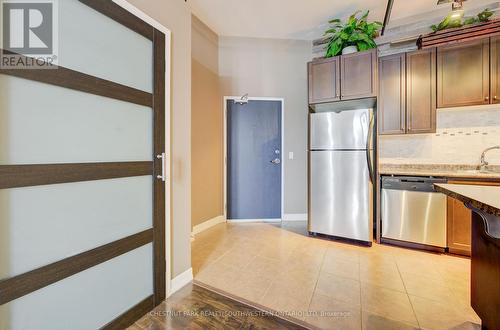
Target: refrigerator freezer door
[340, 198]
[345, 130]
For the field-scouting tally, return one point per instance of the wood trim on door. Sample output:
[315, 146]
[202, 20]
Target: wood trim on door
[159, 185]
[21, 285]
[133, 314]
[16, 176]
[67, 78]
[122, 16]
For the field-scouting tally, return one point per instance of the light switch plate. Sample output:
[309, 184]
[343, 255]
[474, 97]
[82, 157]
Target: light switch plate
[290, 155]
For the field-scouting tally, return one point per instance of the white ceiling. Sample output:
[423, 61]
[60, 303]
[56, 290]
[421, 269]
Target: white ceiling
[298, 19]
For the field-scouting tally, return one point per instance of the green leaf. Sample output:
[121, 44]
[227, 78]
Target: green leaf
[330, 31]
[365, 16]
[362, 46]
[353, 32]
[336, 20]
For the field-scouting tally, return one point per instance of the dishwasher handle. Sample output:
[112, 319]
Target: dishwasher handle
[420, 184]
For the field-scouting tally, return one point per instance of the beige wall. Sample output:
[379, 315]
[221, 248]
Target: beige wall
[176, 16]
[462, 134]
[206, 126]
[274, 68]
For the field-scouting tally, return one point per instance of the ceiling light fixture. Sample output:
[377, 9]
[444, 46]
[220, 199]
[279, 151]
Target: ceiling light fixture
[457, 8]
[455, 4]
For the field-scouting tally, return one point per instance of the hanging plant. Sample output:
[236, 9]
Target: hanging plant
[355, 32]
[450, 22]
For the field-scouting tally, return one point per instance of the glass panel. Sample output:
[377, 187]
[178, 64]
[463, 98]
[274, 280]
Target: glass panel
[44, 224]
[42, 124]
[87, 300]
[92, 43]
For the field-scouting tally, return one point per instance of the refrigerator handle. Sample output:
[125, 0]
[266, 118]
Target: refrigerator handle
[368, 148]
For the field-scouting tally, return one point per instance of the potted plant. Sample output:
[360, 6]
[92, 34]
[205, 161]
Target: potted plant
[354, 35]
[456, 21]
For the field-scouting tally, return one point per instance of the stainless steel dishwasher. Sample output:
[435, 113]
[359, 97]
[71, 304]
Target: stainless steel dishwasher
[412, 211]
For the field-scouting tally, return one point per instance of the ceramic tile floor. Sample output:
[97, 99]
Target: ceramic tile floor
[333, 285]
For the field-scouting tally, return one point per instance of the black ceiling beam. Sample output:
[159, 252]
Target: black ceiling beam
[387, 17]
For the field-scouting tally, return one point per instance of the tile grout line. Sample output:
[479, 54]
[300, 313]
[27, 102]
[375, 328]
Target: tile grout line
[360, 293]
[317, 280]
[408, 295]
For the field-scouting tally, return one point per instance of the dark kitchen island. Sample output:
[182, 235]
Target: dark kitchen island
[484, 201]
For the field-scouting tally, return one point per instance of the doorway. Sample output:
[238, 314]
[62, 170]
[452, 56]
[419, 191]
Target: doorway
[254, 170]
[83, 163]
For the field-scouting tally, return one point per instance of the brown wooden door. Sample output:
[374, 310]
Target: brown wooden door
[392, 94]
[463, 74]
[324, 80]
[359, 75]
[459, 227]
[421, 91]
[495, 69]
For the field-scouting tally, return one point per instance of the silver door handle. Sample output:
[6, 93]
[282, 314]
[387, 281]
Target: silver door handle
[276, 161]
[163, 176]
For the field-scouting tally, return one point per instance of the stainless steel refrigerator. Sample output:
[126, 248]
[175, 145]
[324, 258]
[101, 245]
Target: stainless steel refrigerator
[341, 174]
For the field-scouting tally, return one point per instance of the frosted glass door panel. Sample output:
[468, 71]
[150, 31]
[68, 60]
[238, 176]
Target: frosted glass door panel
[45, 124]
[94, 44]
[87, 300]
[44, 224]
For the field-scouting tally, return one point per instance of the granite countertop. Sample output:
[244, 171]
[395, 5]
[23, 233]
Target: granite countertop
[485, 198]
[444, 170]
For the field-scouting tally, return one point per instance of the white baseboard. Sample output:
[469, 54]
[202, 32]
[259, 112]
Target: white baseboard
[207, 224]
[295, 217]
[254, 220]
[181, 281]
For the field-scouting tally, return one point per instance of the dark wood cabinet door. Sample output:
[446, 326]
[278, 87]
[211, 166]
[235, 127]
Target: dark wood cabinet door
[463, 74]
[359, 75]
[459, 227]
[324, 80]
[495, 69]
[421, 91]
[392, 94]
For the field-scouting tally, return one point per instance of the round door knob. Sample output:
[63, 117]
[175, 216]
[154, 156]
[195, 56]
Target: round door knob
[487, 98]
[495, 98]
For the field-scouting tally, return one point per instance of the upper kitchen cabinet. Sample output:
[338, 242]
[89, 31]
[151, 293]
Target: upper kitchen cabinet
[463, 74]
[407, 93]
[324, 80]
[358, 75]
[345, 77]
[392, 94]
[421, 91]
[495, 69]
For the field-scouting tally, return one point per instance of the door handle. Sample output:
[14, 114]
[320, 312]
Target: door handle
[369, 141]
[276, 161]
[163, 176]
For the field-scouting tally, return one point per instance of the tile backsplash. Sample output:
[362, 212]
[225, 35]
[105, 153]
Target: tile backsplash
[462, 134]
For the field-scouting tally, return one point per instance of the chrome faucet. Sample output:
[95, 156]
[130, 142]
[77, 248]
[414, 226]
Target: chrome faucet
[484, 163]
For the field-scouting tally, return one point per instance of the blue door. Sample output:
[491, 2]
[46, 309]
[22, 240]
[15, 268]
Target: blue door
[254, 160]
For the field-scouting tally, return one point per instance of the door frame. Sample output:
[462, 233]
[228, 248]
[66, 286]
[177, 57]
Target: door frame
[283, 158]
[168, 162]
